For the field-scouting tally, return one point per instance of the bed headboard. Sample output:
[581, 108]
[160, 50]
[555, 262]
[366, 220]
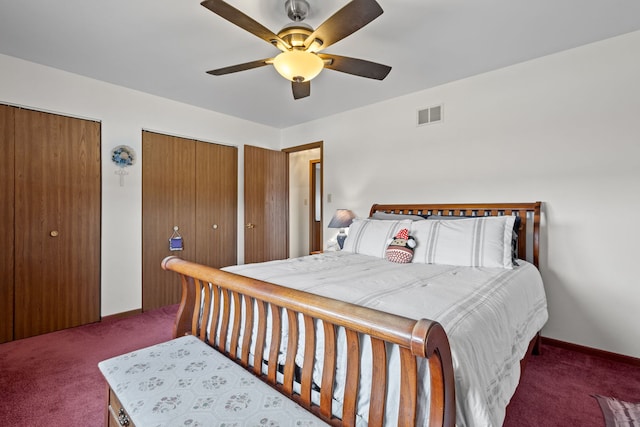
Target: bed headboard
[529, 213]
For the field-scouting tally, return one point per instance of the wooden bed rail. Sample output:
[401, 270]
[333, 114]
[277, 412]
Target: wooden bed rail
[217, 306]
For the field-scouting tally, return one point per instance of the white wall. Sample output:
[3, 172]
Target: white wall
[124, 113]
[563, 129]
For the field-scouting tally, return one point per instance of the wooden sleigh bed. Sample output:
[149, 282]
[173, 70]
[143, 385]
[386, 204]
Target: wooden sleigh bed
[239, 316]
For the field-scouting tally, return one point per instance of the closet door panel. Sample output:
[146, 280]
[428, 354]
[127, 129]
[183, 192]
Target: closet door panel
[57, 222]
[6, 222]
[216, 183]
[168, 200]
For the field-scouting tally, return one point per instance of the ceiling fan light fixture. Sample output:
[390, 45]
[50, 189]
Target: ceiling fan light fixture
[298, 65]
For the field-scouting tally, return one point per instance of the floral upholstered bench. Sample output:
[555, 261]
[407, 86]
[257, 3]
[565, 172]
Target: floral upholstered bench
[184, 382]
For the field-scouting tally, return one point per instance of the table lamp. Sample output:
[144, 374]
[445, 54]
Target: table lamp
[341, 219]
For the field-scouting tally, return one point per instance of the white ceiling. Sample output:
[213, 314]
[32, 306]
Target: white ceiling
[164, 47]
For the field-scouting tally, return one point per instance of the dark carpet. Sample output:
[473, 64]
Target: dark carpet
[53, 379]
[557, 387]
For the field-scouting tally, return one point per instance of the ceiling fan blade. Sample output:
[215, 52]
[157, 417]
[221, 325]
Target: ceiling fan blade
[358, 67]
[233, 15]
[301, 89]
[240, 67]
[355, 15]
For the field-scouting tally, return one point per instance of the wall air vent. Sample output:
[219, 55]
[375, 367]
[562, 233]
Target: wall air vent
[430, 115]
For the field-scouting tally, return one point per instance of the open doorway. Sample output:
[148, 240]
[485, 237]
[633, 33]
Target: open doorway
[305, 199]
[315, 206]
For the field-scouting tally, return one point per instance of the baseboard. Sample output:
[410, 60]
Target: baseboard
[592, 351]
[121, 315]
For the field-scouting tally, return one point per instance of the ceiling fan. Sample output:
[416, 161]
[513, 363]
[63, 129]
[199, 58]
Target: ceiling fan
[299, 60]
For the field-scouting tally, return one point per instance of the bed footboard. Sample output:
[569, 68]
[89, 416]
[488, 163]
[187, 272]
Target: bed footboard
[302, 339]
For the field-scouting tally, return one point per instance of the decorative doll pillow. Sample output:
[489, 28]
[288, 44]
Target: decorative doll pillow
[400, 248]
[372, 236]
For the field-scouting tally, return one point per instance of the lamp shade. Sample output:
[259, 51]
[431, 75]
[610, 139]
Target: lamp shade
[298, 65]
[342, 218]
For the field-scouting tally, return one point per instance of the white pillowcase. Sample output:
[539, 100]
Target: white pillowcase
[472, 242]
[395, 216]
[371, 236]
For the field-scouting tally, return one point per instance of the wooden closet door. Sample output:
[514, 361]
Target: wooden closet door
[57, 222]
[266, 204]
[168, 200]
[6, 221]
[216, 182]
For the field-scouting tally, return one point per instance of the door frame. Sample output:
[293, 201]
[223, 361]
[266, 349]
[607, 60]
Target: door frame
[305, 147]
[313, 206]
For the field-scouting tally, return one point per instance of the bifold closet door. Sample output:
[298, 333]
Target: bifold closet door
[168, 201]
[192, 185]
[216, 181]
[57, 222]
[6, 222]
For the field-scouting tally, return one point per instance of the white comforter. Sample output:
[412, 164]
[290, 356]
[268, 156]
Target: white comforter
[489, 314]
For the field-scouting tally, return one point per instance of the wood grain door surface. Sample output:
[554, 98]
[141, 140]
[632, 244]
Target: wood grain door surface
[216, 183]
[266, 204]
[315, 206]
[192, 185]
[6, 222]
[168, 201]
[57, 222]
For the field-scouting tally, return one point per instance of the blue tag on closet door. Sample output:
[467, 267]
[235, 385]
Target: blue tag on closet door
[175, 244]
[175, 241]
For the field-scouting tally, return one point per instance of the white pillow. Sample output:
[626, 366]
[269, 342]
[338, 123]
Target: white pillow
[473, 242]
[395, 216]
[371, 236]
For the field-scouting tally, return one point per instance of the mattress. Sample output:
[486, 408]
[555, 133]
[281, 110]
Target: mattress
[490, 316]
